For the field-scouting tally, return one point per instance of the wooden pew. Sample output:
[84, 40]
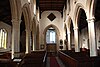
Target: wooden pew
[7, 63]
[67, 60]
[35, 59]
[73, 60]
[5, 56]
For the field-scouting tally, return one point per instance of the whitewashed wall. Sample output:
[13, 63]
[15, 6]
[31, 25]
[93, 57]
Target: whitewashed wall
[44, 22]
[83, 38]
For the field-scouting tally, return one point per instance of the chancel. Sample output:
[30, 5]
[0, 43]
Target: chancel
[49, 33]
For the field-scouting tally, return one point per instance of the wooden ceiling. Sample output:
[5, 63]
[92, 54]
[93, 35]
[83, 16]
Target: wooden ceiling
[56, 5]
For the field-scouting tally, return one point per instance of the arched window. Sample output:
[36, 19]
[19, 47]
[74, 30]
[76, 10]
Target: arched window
[51, 35]
[3, 38]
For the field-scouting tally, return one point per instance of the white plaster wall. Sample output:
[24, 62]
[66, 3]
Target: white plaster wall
[8, 29]
[44, 22]
[83, 38]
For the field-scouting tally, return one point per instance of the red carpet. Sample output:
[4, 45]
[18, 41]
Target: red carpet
[53, 62]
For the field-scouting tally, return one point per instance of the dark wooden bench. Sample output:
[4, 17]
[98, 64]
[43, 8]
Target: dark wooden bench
[73, 59]
[34, 59]
[5, 55]
[7, 63]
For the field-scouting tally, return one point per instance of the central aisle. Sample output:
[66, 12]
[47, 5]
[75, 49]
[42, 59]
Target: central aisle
[53, 62]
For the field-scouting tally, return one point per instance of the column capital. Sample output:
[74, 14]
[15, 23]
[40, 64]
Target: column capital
[76, 28]
[16, 21]
[91, 20]
[68, 32]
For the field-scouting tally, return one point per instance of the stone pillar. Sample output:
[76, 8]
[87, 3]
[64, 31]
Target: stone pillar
[28, 36]
[64, 38]
[34, 42]
[15, 36]
[92, 42]
[69, 44]
[77, 47]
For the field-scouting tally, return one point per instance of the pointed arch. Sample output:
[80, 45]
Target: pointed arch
[58, 34]
[27, 16]
[92, 9]
[15, 8]
[88, 7]
[51, 25]
[69, 24]
[76, 13]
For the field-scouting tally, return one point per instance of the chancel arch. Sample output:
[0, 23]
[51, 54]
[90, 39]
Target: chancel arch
[57, 33]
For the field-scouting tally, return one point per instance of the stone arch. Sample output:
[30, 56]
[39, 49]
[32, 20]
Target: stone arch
[27, 16]
[15, 9]
[76, 13]
[58, 34]
[92, 8]
[78, 16]
[88, 7]
[69, 23]
[90, 4]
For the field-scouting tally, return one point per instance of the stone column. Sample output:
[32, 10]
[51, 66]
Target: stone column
[77, 48]
[92, 42]
[28, 36]
[69, 44]
[34, 42]
[15, 36]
